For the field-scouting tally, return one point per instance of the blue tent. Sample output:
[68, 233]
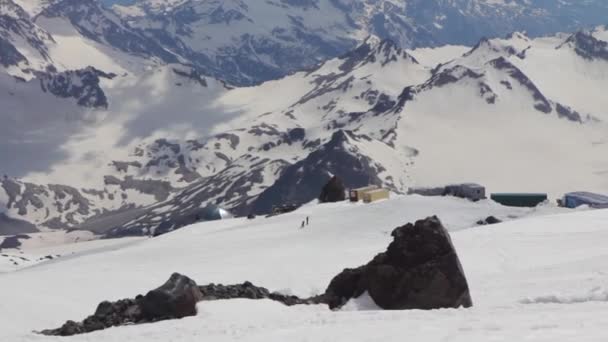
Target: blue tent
[576, 199]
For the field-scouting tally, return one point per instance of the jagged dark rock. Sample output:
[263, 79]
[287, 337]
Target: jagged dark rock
[333, 191]
[587, 46]
[177, 298]
[419, 270]
[250, 291]
[83, 85]
[542, 104]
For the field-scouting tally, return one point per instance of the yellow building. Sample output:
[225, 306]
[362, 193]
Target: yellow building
[375, 195]
[357, 194]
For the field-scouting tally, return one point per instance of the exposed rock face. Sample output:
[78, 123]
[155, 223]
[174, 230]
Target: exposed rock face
[177, 298]
[419, 270]
[82, 85]
[9, 225]
[300, 182]
[13, 241]
[333, 191]
[108, 28]
[250, 291]
[542, 104]
[588, 47]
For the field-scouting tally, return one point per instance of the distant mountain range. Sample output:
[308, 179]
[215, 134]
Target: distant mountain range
[245, 43]
[131, 121]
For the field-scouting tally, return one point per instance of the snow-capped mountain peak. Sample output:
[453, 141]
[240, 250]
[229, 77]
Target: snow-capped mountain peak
[587, 46]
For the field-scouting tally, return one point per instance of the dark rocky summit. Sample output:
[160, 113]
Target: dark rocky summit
[333, 191]
[300, 183]
[419, 270]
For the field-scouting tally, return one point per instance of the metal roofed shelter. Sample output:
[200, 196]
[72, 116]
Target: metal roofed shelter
[528, 200]
[577, 199]
[472, 191]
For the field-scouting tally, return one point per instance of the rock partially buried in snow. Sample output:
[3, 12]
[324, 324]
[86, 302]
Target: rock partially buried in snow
[488, 221]
[250, 291]
[177, 298]
[419, 270]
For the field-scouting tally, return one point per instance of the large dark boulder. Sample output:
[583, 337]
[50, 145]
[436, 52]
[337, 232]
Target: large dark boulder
[333, 191]
[419, 270]
[177, 298]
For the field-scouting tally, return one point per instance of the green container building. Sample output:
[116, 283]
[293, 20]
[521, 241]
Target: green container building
[529, 200]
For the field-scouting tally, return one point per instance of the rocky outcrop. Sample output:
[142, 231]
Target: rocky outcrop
[83, 85]
[9, 226]
[301, 182]
[107, 28]
[587, 46]
[13, 241]
[177, 298]
[159, 189]
[333, 191]
[541, 103]
[250, 291]
[419, 270]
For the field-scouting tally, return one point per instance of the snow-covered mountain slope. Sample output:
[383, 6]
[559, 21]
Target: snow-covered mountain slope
[480, 117]
[247, 43]
[45, 207]
[62, 35]
[36, 248]
[493, 115]
[546, 266]
[516, 87]
[57, 137]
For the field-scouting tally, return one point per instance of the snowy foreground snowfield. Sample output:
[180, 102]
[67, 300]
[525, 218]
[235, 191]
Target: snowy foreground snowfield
[540, 277]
